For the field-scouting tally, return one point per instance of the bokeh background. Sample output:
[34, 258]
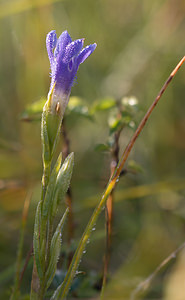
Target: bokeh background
[139, 43]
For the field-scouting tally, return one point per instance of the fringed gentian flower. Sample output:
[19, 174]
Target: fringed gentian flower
[65, 57]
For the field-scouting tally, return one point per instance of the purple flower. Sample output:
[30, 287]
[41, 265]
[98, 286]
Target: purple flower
[65, 57]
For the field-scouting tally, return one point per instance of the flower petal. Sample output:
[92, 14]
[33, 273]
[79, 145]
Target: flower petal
[51, 41]
[65, 60]
[85, 53]
[63, 40]
[72, 50]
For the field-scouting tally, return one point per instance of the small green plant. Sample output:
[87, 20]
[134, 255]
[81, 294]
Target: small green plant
[65, 57]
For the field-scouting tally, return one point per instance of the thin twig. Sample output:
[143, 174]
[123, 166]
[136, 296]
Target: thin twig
[29, 255]
[109, 207]
[144, 285]
[144, 120]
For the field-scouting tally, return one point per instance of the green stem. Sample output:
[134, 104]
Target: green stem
[47, 233]
[37, 287]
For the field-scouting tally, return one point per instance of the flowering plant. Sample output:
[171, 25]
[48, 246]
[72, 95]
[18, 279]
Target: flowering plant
[65, 57]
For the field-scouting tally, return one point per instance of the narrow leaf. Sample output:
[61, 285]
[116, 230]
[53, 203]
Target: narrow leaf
[36, 241]
[63, 181]
[53, 129]
[55, 250]
[50, 129]
[51, 187]
[45, 139]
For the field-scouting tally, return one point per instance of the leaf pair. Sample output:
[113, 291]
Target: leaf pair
[58, 185]
[55, 251]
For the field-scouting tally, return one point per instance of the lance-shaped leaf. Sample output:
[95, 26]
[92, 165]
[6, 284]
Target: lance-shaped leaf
[50, 127]
[45, 139]
[51, 188]
[36, 241]
[55, 250]
[63, 181]
[53, 129]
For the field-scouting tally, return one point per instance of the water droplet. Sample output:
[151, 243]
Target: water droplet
[84, 251]
[94, 228]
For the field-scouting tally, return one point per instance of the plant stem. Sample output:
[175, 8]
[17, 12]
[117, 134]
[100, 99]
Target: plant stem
[109, 208]
[145, 119]
[37, 287]
[29, 254]
[143, 286]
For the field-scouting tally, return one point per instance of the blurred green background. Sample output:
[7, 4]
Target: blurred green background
[139, 43]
